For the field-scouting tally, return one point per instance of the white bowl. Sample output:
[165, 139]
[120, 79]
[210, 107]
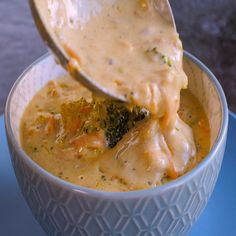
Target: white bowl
[63, 208]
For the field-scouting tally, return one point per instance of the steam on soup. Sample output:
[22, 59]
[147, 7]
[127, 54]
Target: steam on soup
[103, 144]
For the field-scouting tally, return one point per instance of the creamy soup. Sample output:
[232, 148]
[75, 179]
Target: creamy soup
[127, 47]
[51, 136]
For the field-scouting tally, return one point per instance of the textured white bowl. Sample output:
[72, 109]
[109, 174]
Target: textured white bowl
[66, 209]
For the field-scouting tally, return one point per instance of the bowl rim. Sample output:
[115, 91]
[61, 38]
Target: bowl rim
[130, 194]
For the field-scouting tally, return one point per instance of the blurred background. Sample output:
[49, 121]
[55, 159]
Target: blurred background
[207, 29]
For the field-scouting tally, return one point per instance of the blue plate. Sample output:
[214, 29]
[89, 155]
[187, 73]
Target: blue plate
[219, 217]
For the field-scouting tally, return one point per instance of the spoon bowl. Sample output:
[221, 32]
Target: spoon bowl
[40, 14]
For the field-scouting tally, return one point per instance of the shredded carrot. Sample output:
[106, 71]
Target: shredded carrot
[143, 3]
[118, 82]
[74, 62]
[202, 124]
[93, 140]
[71, 53]
[171, 172]
[53, 93]
[86, 109]
[50, 126]
[75, 126]
[32, 131]
[52, 89]
[165, 120]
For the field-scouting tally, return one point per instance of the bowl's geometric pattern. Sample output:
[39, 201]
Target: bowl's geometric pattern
[69, 212]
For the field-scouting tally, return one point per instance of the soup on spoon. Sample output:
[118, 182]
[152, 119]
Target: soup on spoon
[128, 47]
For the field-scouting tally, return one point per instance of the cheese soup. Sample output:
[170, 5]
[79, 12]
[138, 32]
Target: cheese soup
[127, 47]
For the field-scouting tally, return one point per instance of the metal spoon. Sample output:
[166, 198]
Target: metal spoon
[162, 6]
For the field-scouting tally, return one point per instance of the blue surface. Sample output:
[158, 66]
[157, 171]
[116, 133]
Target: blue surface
[219, 217]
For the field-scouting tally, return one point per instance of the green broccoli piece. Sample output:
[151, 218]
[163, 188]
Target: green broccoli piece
[119, 120]
[114, 118]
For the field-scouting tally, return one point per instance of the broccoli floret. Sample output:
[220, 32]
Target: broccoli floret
[119, 120]
[113, 118]
[116, 123]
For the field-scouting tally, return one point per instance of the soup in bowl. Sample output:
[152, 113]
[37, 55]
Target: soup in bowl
[63, 207]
